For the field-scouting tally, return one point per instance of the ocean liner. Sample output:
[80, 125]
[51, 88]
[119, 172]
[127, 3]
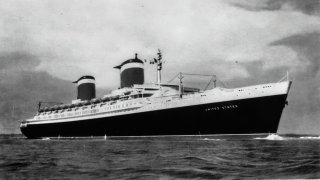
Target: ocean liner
[139, 109]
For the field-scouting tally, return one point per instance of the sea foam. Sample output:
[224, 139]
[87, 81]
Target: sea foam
[273, 137]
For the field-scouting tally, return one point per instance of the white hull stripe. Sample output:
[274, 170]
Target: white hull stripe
[131, 65]
[82, 81]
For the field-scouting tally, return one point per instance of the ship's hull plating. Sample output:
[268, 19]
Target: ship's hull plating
[246, 116]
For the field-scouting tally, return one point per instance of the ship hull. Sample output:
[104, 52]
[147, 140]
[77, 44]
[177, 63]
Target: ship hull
[245, 116]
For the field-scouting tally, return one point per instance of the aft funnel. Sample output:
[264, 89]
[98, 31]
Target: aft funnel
[131, 72]
[86, 88]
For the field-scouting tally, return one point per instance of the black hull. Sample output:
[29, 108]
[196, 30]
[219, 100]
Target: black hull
[246, 116]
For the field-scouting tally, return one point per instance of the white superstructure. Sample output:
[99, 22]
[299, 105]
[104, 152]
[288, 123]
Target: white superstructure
[142, 98]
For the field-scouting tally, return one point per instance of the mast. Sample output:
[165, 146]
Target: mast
[158, 75]
[180, 85]
[159, 66]
[159, 62]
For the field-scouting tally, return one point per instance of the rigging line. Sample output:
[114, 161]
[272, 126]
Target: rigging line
[191, 74]
[209, 82]
[173, 78]
[198, 74]
[222, 84]
[285, 77]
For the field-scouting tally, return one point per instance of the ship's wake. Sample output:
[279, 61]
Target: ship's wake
[276, 137]
[310, 137]
[273, 137]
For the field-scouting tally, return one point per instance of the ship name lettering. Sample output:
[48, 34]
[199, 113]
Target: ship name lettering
[233, 106]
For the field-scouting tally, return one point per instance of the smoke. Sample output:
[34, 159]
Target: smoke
[302, 114]
[310, 7]
[17, 61]
[305, 99]
[22, 88]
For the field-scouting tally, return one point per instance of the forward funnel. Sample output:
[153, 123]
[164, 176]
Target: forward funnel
[131, 72]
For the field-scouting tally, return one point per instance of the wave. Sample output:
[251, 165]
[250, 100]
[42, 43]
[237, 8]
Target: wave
[276, 137]
[309, 137]
[190, 173]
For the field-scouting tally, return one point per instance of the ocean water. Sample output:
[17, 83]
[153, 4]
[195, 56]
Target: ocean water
[199, 157]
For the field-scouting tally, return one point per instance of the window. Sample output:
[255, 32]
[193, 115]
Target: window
[147, 95]
[150, 89]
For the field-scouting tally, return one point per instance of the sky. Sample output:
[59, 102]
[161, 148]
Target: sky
[45, 45]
